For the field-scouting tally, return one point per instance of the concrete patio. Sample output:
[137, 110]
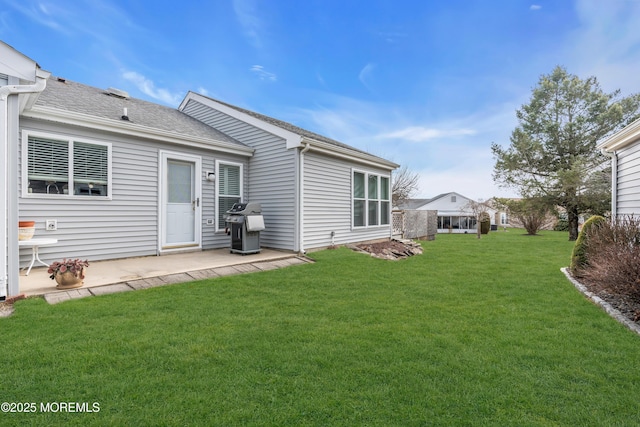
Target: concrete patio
[121, 275]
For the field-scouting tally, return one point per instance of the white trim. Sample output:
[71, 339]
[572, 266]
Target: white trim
[163, 158]
[70, 139]
[218, 226]
[622, 138]
[350, 154]
[366, 199]
[132, 129]
[293, 140]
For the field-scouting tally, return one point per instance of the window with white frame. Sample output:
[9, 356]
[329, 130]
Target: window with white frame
[503, 218]
[229, 179]
[65, 166]
[371, 199]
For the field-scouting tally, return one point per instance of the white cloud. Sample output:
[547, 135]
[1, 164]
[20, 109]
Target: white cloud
[53, 18]
[263, 74]
[606, 44]
[392, 37]
[366, 75]
[420, 134]
[535, 7]
[147, 87]
[248, 17]
[203, 91]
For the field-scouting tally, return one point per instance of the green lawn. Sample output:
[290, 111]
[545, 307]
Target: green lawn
[472, 332]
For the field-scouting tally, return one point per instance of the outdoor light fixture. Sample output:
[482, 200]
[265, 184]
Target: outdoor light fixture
[211, 176]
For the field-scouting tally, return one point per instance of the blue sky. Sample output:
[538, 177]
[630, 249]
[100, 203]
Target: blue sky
[428, 84]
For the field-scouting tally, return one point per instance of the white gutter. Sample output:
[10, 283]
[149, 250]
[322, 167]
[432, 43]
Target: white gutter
[614, 181]
[350, 154]
[301, 199]
[8, 215]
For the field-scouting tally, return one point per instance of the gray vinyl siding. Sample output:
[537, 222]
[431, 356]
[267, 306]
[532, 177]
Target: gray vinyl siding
[328, 202]
[126, 225]
[628, 180]
[271, 177]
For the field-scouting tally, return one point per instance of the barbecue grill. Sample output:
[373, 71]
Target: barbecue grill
[244, 224]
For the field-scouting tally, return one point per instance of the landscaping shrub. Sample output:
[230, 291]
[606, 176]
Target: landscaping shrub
[485, 223]
[579, 254]
[613, 257]
[561, 225]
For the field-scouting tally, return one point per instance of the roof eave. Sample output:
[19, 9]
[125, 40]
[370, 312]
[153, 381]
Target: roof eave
[346, 153]
[132, 129]
[622, 138]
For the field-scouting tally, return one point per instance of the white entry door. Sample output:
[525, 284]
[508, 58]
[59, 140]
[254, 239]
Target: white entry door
[180, 198]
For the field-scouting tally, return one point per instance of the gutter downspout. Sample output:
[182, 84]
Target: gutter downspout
[301, 199]
[614, 181]
[9, 284]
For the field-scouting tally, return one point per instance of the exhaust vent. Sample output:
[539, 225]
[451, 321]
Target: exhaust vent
[117, 93]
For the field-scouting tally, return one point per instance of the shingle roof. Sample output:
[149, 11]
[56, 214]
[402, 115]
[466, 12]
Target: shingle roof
[76, 97]
[295, 129]
[412, 204]
[416, 203]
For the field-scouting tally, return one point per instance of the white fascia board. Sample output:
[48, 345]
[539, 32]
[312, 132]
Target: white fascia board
[622, 138]
[293, 140]
[14, 63]
[352, 155]
[132, 129]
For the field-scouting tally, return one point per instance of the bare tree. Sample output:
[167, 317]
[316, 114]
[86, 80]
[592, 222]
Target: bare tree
[480, 210]
[533, 213]
[404, 184]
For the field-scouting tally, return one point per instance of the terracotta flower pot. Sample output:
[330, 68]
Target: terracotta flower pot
[26, 229]
[68, 280]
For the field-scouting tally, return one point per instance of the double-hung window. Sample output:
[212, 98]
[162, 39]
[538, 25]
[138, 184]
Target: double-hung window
[54, 165]
[229, 188]
[371, 201]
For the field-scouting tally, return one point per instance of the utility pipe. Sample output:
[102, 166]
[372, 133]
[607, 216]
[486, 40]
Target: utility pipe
[301, 199]
[9, 279]
[614, 181]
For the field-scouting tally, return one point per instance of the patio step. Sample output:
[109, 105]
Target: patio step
[151, 282]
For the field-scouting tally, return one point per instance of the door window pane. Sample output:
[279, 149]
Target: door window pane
[180, 179]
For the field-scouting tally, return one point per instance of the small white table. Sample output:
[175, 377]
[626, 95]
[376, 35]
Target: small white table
[34, 244]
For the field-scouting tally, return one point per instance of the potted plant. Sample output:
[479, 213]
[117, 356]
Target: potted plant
[68, 273]
[26, 229]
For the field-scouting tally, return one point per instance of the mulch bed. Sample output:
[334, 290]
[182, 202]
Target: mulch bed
[392, 249]
[623, 309]
[629, 308]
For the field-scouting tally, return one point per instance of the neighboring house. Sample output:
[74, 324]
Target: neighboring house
[454, 214]
[624, 149]
[505, 218]
[121, 177]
